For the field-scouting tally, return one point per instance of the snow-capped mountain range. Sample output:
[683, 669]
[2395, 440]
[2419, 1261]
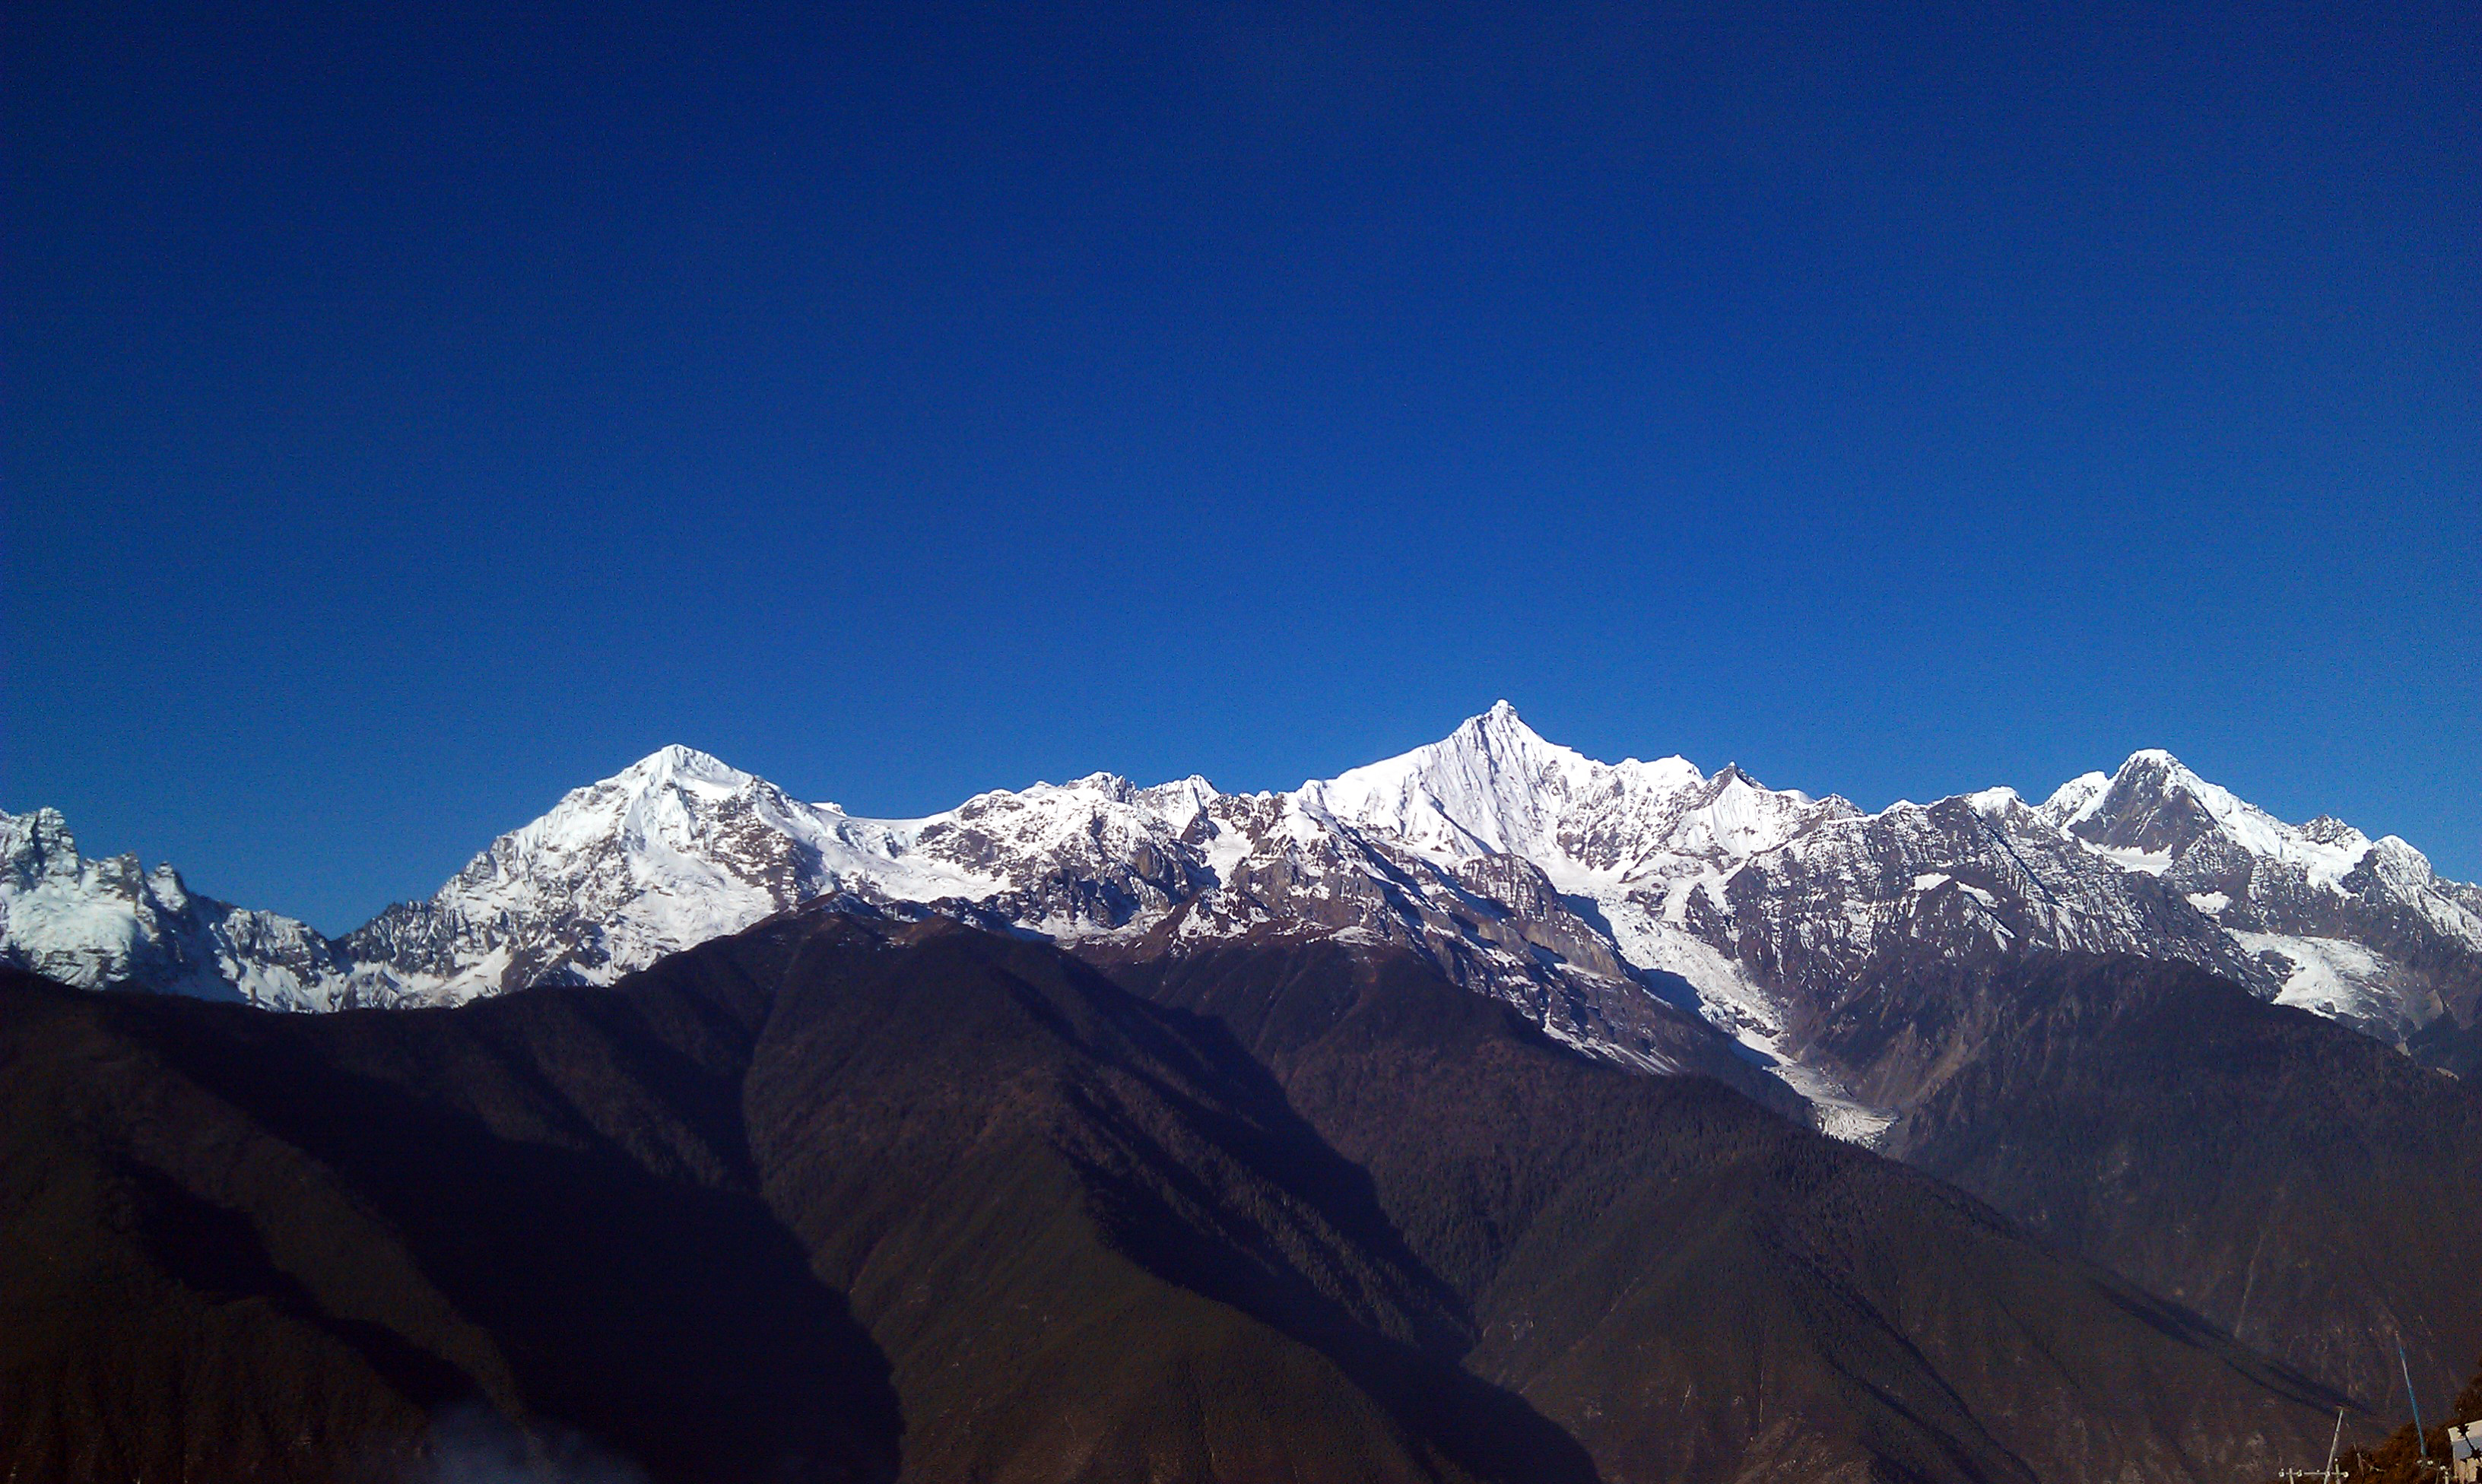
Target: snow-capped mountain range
[1644, 911]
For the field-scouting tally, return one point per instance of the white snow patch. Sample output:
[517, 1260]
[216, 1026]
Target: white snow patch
[2330, 976]
[2151, 863]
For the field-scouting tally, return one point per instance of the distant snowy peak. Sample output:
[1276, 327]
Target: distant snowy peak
[675, 850]
[2360, 929]
[2154, 813]
[35, 848]
[1491, 787]
[679, 847]
[2072, 799]
[1495, 786]
[2154, 809]
[111, 921]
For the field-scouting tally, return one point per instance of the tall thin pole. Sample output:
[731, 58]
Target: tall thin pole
[2331, 1444]
[2420, 1444]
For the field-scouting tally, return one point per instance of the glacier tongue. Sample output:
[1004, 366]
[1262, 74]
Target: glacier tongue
[1629, 907]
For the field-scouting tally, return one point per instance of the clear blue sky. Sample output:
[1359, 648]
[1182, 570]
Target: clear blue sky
[412, 415]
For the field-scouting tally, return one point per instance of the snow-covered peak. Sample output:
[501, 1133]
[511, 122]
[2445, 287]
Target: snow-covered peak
[109, 921]
[1997, 802]
[1492, 786]
[1502, 728]
[1731, 815]
[1495, 786]
[665, 804]
[2072, 800]
[2154, 809]
[2329, 831]
[36, 844]
[1180, 802]
[680, 847]
[676, 764]
[2395, 861]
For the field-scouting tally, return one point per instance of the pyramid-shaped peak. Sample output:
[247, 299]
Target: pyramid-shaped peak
[683, 757]
[1499, 726]
[1495, 786]
[2155, 763]
[1479, 789]
[1503, 738]
[1495, 744]
[2152, 774]
[2158, 806]
[2150, 804]
[676, 762]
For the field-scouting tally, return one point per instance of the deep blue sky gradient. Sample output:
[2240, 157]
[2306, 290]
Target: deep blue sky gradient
[412, 414]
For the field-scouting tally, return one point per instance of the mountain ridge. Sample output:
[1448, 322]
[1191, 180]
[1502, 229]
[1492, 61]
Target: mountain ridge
[1603, 898]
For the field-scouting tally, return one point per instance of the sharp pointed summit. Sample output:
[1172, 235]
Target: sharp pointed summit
[676, 762]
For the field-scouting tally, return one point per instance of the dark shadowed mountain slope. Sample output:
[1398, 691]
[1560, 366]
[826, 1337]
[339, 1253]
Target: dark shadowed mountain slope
[1090, 1247]
[241, 1245]
[1089, 1233]
[1695, 1287]
[836, 1198]
[2312, 1190]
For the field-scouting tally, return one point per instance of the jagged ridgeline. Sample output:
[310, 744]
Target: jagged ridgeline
[1596, 896]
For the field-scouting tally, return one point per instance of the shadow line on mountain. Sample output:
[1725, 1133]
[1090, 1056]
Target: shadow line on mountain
[217, 1251]
[1418, 1379]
